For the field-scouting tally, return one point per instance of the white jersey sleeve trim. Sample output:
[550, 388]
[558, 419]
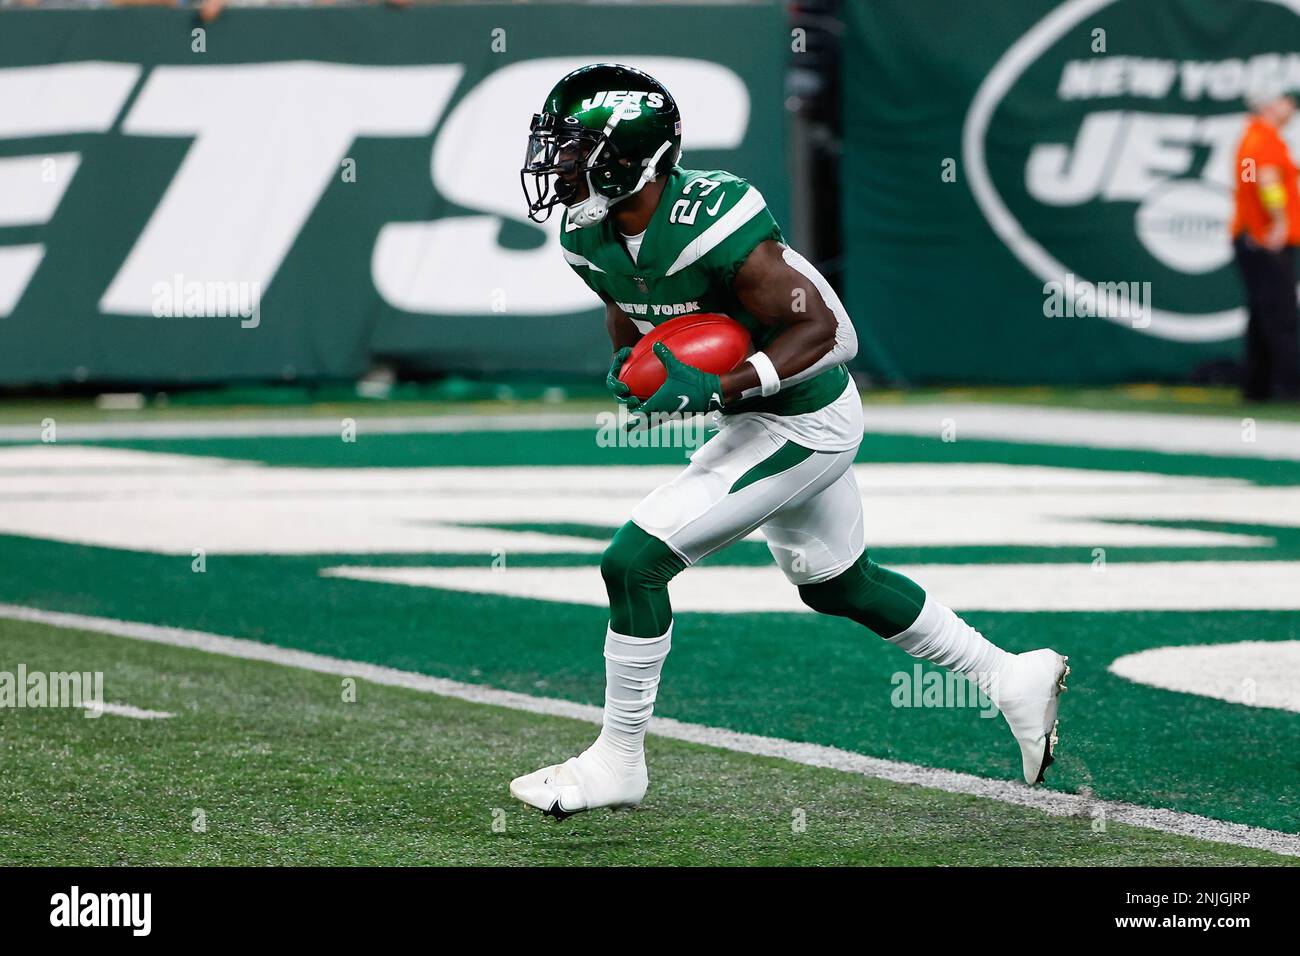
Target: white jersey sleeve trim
[573, 259]
[845, 346]
[846, 337]
[749, 206]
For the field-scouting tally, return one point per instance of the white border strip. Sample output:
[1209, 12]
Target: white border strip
[1051, 802]
[1169, 432]
[749, 205]
[136, 713]
[296, 427]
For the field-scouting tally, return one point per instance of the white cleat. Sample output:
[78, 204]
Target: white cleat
[585, 782]
[1028, 692]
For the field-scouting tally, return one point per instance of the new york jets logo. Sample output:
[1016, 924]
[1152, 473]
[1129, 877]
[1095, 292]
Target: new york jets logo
[614, 98]
[467, 164]
[1137, 144]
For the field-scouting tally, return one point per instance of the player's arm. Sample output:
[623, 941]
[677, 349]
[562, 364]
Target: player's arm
[623, 334]
[1272, 194]
[780, 288]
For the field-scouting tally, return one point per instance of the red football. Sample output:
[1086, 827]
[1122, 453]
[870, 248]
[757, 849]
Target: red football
[714, 343]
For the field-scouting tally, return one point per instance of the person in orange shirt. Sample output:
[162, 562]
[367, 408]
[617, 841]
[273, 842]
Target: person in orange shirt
[1265, 234]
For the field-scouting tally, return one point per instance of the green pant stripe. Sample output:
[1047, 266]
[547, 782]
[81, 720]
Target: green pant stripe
[783, 459]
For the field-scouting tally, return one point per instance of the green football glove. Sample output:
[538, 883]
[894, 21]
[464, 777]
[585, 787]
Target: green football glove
[616, 387]
[687, 388]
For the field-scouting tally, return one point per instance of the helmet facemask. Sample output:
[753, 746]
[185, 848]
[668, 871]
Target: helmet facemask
[561, 156]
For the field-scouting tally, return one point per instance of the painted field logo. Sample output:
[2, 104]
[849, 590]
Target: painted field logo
[1095, 166]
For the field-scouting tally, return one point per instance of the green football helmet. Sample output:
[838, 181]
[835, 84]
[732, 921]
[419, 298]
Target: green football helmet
[609, 127]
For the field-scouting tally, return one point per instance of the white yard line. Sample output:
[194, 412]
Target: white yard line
[126, 710]
[298, 427]
[722, 589]
[813, 755]
[1174, 433]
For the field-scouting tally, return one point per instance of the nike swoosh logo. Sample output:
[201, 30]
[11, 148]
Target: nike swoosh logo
[685, 401]
[570, 227]
[713, 211]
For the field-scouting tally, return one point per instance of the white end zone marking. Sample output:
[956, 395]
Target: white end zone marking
[254, 427]
[1173, 433]
[813, 755]
[723, 589]
[1184, 433]
[125, 499]
[1254, 673]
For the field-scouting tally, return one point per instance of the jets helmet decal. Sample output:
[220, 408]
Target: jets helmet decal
[604, 131]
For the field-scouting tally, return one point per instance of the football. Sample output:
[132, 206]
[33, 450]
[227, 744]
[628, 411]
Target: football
[712, 342]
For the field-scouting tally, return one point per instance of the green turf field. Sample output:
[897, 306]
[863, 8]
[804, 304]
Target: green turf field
[267, 765]
[286, 772]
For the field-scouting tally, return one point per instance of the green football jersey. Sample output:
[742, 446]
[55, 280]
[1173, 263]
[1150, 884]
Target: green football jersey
[704, 227]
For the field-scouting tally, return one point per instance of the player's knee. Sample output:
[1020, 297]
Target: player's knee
[834, 596]
[815, 597]
[881, 600]
[636, 561]
[616, 568]
[847, 594]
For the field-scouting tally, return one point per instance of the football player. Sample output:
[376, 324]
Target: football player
[654, 241]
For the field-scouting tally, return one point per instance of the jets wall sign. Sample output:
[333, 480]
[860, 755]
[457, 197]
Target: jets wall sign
[1101, 147]
[304, 189]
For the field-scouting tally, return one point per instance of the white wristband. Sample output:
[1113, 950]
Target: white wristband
[769, 381]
